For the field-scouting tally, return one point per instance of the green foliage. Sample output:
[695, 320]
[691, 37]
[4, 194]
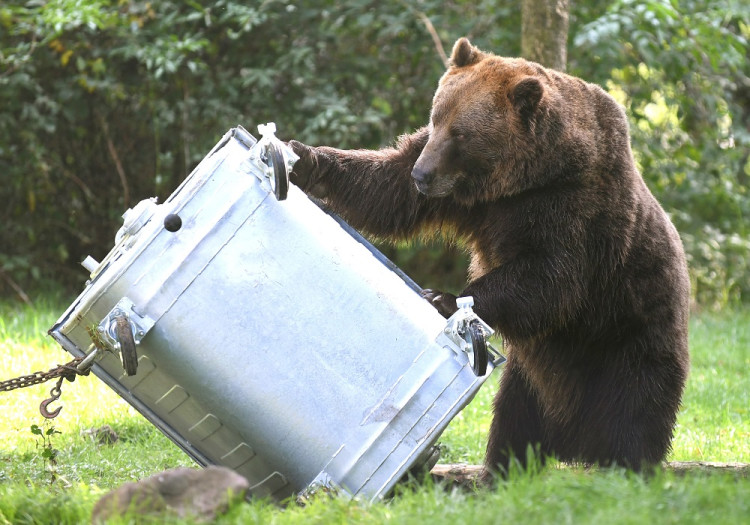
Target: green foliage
[110, 102]
[117, 101]
[48, 452]
[682, 70]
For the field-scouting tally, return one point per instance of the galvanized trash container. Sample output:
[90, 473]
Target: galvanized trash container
[267, 336]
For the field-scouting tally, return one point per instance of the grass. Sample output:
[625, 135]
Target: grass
[714, 425]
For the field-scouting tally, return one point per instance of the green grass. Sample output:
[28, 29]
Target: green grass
[714, 425]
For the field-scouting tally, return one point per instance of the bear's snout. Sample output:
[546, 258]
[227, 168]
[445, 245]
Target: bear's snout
[430, 172]
[431, 182]
[422, 177]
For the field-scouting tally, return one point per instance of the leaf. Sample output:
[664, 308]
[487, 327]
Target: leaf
[36, 430]
[65, 57]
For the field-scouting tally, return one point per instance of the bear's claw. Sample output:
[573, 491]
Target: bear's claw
[444, 302]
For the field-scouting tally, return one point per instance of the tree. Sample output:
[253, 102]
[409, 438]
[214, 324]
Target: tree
[116, 101]
[544, 32]
[106, 102]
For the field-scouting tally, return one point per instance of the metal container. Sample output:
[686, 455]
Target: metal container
[267, 336]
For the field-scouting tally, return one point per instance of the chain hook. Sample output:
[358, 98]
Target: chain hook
[54, 396]
[78, 366]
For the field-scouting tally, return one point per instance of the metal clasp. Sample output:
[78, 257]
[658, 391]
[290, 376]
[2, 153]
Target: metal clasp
[271, 161]
[140, 324]
[467, 331]
[457, 323]
[124, 328]
[267, 138]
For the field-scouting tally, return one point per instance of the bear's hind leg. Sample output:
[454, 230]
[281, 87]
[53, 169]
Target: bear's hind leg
[517, 423]
[627, 418]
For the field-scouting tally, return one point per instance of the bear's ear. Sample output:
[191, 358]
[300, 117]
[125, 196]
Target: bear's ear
[464, 54]
[526, 96]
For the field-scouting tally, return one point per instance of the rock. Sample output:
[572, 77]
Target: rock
[182, 492]
[103, 435]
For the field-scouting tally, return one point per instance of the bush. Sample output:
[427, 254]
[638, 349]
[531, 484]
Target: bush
[114, 102]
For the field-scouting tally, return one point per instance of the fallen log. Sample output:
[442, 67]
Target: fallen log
[466, 474]
[681, 467]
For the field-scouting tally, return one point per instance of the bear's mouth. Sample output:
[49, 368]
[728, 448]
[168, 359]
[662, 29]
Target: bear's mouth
[437, 186]
[432, 189]
[422, 186]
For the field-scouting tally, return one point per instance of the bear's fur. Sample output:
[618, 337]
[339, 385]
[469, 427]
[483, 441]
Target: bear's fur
[573, 261]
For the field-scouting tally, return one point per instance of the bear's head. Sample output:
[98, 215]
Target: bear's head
[493, 121]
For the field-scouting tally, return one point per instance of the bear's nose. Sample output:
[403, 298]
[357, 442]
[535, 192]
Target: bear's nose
[420, 175]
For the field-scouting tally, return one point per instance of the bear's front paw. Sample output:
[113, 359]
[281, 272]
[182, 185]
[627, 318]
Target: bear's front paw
[303, 168]
[444, 302]
[306, 171]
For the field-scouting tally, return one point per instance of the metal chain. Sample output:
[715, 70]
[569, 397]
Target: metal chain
[67, 371]
[78, 366]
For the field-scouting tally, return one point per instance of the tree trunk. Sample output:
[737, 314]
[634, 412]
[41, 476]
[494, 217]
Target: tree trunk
[544, 32]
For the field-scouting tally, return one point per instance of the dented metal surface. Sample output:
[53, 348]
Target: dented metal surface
[271, 338]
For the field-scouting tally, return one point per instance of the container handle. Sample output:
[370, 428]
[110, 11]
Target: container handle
[124, 333]
[280, 181]
[479, 355]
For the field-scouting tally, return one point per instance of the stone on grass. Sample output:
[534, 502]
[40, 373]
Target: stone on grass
[182, 492]
[104, 435]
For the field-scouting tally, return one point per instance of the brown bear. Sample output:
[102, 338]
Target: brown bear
[573, 261]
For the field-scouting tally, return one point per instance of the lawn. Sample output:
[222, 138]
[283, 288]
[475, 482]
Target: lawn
[57, 474]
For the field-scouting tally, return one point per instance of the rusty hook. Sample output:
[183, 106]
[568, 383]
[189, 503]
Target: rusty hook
[54, 396]
[45, 413]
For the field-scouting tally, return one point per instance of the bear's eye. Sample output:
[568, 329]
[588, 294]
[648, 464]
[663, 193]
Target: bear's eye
[459, 135]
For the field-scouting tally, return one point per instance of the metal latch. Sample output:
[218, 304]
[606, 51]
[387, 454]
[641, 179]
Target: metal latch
[136, 218]
[122, 329]
[271, 161]
[469, 332]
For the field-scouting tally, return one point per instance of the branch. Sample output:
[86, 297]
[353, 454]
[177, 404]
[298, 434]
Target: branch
[430, 29]
[77, 180]
[469, 475]
[115, 159]
[435, 38]
[17, 63]
[16, 288]
[185, 120]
